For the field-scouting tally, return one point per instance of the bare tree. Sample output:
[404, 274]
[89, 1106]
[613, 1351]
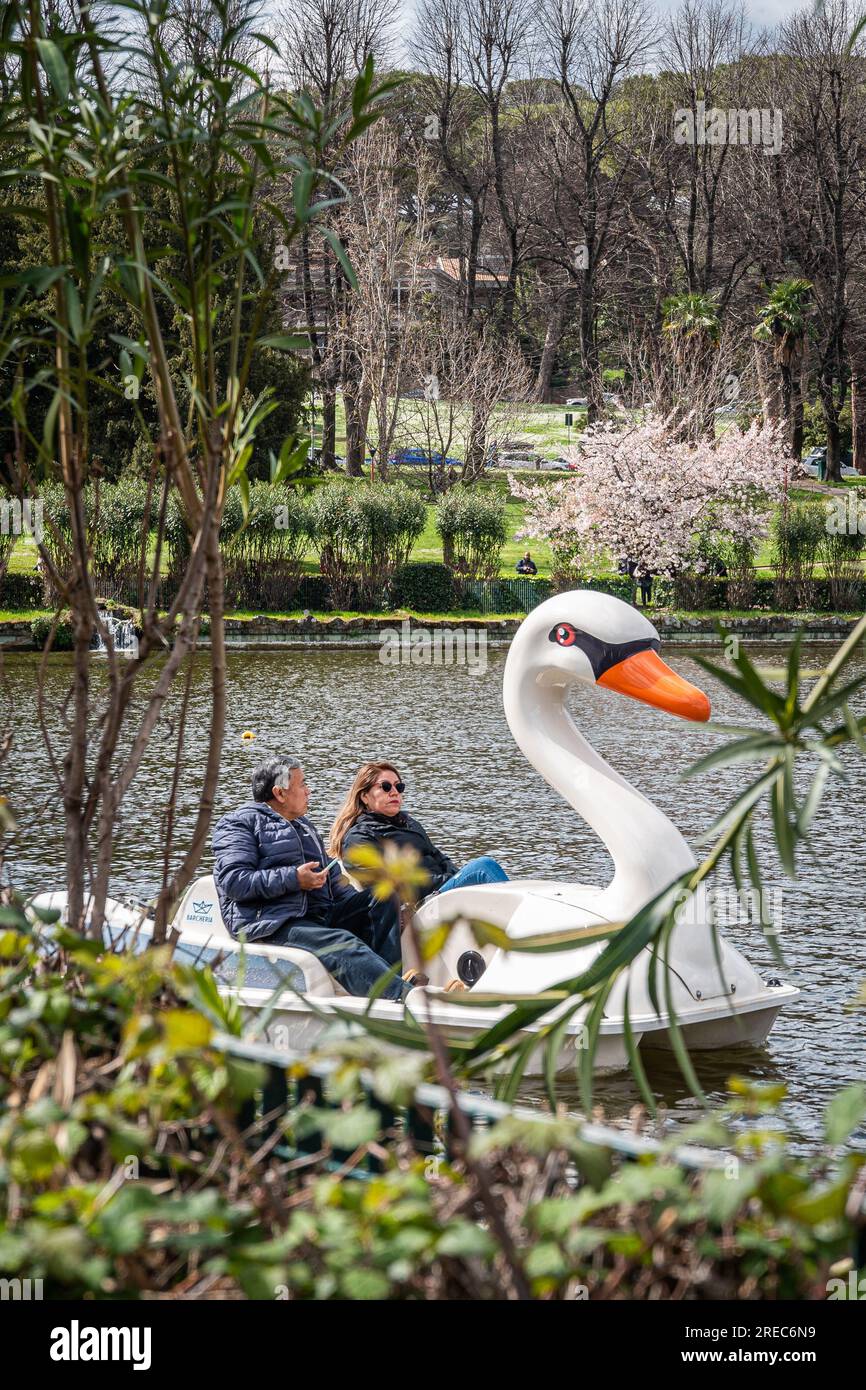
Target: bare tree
[495, 38]
[324, 45]
[449, 120]
[818, 77]
[476, 389]
[590, 49]
[380, 318]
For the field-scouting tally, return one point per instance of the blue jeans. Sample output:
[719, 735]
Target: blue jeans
[357, 942]
[481, 870]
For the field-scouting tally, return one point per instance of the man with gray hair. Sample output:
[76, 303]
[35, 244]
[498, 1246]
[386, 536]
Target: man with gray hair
[273, 883]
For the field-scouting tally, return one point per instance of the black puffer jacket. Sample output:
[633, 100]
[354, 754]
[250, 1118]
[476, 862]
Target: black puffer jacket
[371, 828]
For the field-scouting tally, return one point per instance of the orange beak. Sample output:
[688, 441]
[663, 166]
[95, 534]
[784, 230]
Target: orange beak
[646, 677]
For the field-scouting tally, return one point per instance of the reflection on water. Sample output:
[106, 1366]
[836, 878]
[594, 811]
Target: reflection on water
[472, 787]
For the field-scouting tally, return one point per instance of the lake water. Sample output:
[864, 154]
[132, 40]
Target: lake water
[473, 789]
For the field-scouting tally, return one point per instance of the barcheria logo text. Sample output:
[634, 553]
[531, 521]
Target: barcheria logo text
[77, 1343]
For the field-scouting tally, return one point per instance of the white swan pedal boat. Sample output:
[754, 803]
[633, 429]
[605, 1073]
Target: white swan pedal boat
[718, 999]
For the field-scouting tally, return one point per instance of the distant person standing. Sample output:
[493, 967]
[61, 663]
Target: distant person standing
[526, 565]
[645, 582]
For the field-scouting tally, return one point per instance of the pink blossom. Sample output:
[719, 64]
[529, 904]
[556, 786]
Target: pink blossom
[640, 491]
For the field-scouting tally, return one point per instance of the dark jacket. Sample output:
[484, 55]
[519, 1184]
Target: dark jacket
[257, 853]
[371, 828]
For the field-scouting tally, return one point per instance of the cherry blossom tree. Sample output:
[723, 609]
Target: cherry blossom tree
[642, 492]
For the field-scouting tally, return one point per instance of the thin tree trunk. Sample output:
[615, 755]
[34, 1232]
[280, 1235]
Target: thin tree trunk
[589, 352]
[552, 339]
[207, 793]
[858, 415]
[354, 436]
[797, 425]
[329, 427]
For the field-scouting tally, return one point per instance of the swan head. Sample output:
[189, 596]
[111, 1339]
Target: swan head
[596, 639]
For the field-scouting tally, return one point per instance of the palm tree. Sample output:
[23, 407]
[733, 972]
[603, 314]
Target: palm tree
[687, 317]
[694, 330]
[783, 321]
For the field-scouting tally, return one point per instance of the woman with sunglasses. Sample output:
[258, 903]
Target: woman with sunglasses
[373, 814]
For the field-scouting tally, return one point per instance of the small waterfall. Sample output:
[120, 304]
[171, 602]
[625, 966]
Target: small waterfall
[123, 633]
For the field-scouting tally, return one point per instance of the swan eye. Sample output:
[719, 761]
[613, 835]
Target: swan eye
[565, 635]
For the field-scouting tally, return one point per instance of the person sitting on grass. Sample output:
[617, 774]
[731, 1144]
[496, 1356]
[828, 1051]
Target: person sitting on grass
[372, 814]
[273, 885]
[526, 565]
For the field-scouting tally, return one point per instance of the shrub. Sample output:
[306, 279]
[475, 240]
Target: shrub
[63, 635]
[314, 591]
[473, 529]
[364, 532]
[8, 538]
[119, 518]
[427, 587]
[115, 517]
[620, 585]
[797, 535]
[22, 591]
[176, 536]
[148, 1097]
[841, 553]
[264, 556]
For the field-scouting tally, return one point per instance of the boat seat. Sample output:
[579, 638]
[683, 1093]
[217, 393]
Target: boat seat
[200, 923]
[198, 915]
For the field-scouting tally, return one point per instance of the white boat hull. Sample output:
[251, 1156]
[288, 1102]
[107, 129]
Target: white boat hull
[315, 1009]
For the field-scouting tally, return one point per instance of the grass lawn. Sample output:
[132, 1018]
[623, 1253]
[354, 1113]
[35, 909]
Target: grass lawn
[429, 546]
[541, 426]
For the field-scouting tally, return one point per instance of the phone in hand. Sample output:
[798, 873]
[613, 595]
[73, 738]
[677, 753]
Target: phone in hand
[329, 867]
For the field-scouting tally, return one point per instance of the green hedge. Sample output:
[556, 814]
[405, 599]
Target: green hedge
[425, 587]
[22, 591]
[314, 592]
[698, 592]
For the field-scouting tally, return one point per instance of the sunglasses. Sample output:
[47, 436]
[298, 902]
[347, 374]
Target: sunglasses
[398, 786]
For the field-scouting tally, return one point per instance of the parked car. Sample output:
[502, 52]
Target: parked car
[419, 458]
[607, 397]
[519, 459]
[815, 462]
